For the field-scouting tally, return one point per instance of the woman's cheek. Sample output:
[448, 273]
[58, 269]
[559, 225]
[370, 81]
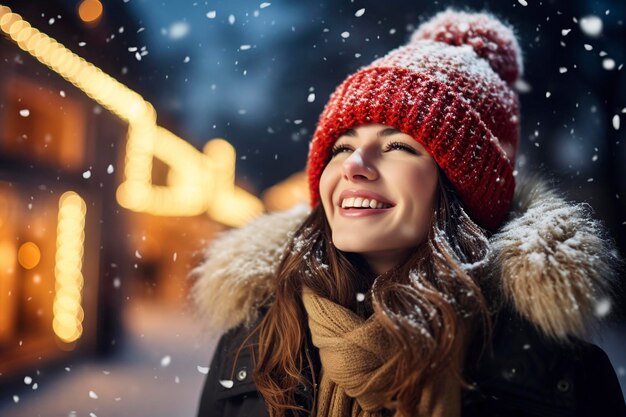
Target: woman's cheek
[326, 188]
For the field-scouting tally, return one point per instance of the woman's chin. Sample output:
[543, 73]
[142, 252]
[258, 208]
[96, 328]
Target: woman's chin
[358, 247]
[369, 249]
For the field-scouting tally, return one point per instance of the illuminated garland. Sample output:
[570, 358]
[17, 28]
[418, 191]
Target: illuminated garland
[67, 310]
[195, 179]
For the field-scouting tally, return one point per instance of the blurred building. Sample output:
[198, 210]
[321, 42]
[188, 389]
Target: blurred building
[53, 141]
[70, 255]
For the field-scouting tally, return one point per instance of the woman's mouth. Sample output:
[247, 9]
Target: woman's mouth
[360, 207]
[363, 203]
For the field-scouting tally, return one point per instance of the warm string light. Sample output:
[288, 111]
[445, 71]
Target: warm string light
[230, 201]
[67, 311]
[195, 179]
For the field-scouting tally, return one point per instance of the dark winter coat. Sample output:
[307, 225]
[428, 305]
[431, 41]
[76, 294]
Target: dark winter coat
[549, 248]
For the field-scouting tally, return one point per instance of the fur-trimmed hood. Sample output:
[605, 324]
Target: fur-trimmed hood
[551, 261]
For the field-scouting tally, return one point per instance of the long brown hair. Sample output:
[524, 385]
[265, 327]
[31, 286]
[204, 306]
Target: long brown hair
[423, 304]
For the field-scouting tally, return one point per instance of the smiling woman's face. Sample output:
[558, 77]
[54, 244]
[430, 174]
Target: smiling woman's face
[391, 173]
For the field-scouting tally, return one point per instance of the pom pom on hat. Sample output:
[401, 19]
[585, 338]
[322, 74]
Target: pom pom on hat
[450, 89]
[488, 36]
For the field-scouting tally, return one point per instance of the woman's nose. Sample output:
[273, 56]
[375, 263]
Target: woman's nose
[356, 166]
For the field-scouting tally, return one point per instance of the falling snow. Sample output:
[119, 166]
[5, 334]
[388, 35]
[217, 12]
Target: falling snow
[166, 360]
[181, 29]
[178, 30]
[608, 64]
[93, 395]
[522, 86]
[603, 307]
[591, 25]
[226, 383]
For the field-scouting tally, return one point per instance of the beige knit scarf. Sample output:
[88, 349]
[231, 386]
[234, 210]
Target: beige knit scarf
[353, 352]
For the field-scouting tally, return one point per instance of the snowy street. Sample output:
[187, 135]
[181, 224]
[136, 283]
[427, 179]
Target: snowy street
[155, 374]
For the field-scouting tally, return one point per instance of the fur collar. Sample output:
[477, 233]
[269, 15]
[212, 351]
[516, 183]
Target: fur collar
[550, 261]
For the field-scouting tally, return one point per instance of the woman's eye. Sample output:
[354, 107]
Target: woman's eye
[399, 146]
[339, 149]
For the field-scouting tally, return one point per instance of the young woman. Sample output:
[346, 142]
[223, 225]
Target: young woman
[423, 281]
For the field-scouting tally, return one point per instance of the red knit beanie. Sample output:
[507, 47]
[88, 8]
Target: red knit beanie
[450, 88]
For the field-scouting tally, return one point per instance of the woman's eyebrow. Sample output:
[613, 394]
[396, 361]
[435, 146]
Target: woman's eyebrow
[388, 132]
[382, 133]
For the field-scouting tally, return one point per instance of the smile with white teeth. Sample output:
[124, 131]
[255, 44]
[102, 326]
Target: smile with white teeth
[358, 202]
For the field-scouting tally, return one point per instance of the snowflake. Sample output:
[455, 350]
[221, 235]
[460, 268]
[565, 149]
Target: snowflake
[166, 360]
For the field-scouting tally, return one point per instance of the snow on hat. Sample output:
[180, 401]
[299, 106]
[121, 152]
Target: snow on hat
[450, 88]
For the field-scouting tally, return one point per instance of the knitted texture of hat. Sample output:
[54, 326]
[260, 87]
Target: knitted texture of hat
[450, 88]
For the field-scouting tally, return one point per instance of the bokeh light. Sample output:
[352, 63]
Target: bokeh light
[90, 11]
[29, 255]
